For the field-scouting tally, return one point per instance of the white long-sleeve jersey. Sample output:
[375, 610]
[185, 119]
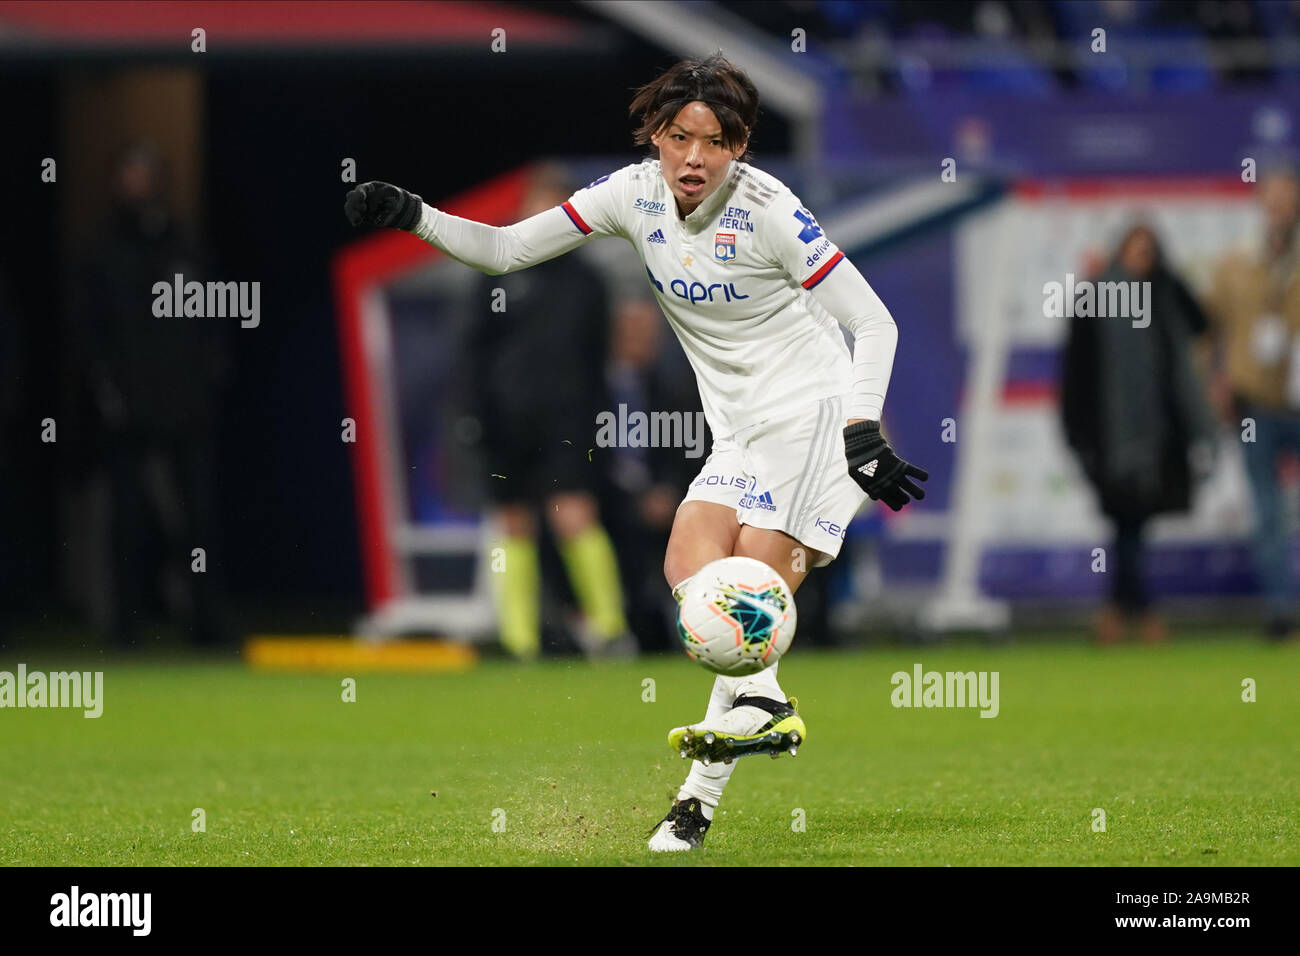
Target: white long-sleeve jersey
[736, 279]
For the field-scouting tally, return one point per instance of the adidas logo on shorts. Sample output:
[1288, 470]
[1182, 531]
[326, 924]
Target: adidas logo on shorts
[869, 469]
[657, 236]
[763, 502]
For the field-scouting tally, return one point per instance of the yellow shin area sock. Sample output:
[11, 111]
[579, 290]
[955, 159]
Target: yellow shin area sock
[593, 572]
[519, 598]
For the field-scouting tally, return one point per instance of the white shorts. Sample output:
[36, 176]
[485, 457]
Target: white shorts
[787, 474]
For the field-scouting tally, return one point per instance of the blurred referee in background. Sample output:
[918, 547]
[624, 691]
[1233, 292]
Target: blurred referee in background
[537, 383]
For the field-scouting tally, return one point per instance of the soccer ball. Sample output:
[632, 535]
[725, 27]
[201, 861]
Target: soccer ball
[737, 616]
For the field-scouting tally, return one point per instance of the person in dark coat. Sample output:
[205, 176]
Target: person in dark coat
[153, 388]
[1135, 415]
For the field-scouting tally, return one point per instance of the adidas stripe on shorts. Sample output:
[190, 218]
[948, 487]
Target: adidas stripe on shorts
[787, 474]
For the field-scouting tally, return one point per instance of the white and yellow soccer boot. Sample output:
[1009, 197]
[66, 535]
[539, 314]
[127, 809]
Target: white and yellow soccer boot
[753, 725]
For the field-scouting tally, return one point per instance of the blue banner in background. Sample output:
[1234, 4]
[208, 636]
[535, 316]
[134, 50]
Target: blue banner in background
[1087, 133]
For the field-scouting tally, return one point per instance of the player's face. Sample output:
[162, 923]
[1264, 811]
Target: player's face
[692, 156]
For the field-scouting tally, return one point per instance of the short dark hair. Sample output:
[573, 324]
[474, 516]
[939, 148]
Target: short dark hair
[714, 81]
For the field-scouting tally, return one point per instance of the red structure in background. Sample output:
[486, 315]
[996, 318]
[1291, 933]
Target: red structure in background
[374, 23]
[360, 270]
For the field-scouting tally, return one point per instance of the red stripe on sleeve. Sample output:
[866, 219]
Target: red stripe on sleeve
[820, 274]
[577, 220]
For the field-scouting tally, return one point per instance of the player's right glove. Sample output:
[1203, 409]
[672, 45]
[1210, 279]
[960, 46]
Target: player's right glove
[383, 204]
[877, 470]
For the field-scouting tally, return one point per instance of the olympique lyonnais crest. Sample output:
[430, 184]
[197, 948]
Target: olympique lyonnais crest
[724, 246]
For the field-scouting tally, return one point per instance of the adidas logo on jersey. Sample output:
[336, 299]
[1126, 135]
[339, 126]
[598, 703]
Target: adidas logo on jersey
[869, 469]
[657, 236]
[763, 502]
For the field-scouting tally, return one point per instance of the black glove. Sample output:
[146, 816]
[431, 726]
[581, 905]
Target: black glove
[877, 470]
[383, 204]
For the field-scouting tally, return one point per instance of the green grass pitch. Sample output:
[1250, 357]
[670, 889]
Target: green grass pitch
[566, 763]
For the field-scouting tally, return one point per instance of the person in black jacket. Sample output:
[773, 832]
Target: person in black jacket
[153, 387]
[537, 343]
[1135, 415]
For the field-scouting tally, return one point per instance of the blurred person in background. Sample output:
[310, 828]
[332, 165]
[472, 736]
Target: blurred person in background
[1254, 306]
[536, 377]
[649, 482]
[13, 436]
[1135, 415]
[153, 397]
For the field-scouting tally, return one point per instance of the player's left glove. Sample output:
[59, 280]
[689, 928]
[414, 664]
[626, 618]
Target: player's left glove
[382, 204]
[877, 470]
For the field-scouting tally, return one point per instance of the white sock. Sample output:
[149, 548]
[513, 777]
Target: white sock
[679, 589]
[762, 684]
[707, 783]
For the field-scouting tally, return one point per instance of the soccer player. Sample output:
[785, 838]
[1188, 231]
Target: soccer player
[753, 289]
